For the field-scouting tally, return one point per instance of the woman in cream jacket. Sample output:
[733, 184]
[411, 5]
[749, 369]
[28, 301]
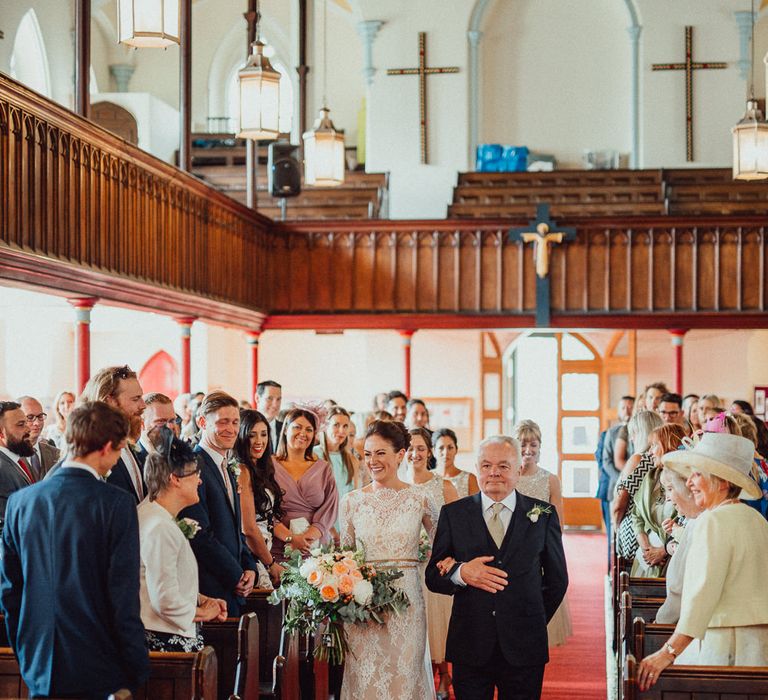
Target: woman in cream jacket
[724, 605]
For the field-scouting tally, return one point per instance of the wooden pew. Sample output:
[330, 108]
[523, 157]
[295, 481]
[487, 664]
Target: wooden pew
[181, 676]
[270, 631]
[718, 198]
[648, 637]
[492, 211]
[225, 638]
[11, 684]
[698, 683]
[648, 587]
[584, 178]
[557, 194]
[247, 676]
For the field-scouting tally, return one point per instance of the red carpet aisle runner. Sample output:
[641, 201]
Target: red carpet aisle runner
[576, 671]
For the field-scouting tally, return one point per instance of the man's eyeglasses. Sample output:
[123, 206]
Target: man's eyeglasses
[184, 475]
[40, 417]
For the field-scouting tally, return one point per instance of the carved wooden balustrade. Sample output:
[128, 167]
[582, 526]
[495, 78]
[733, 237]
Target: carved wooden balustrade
[650, 268]
[84, 213]
[72, 193]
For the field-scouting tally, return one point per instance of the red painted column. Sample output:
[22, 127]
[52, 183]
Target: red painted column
[253, 342]
[406, 336]
[185, 326]
[82, 308]
[677, 343]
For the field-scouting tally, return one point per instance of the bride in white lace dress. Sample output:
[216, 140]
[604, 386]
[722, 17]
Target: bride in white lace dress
[385, 518]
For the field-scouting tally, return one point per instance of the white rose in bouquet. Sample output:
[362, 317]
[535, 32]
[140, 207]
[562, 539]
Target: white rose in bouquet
[362, 591]
[307, 567]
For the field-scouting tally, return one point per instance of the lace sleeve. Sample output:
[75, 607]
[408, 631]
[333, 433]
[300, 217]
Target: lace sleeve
[430, 514]
[347, 534]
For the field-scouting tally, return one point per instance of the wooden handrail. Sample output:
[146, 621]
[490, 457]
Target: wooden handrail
[72, 192]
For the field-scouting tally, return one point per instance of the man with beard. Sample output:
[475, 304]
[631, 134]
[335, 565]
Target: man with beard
[15, 451]
[45, 454]
[119, 387]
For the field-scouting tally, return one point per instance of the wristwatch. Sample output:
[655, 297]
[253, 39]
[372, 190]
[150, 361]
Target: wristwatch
[670, 650]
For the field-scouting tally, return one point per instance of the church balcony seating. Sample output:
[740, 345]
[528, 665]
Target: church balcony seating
[221, 164]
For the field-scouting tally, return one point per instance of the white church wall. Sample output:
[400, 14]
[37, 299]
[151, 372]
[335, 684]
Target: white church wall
[705, 355]
[718, 95]
[417, 190]
[555, 77]
[157, 122]
[55, 19]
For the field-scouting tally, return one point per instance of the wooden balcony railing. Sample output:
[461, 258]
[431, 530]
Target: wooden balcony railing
[72, 193]
[83, 212]
[658, 267]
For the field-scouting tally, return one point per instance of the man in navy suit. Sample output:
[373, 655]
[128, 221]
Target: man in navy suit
[226, 567]
[119, 387]
[159, 412]
[269, 397]
[500, 555]
[69, 583]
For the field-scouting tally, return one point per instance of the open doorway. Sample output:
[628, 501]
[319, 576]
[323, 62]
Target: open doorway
[570, 384]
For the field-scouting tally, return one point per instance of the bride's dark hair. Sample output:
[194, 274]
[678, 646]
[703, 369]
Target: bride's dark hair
[396, 434]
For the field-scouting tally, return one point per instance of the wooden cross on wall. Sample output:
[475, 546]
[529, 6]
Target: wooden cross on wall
[541, 232]
[689, 66]
[422, 71]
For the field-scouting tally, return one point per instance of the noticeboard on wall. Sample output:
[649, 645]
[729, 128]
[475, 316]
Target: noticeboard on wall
[761, 392]
[456, 414]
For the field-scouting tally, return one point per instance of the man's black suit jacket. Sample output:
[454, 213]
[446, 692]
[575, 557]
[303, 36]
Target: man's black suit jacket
[120, 477]
[220, 548]
[531, 554]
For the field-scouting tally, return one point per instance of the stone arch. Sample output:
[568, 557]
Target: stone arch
[29, 59]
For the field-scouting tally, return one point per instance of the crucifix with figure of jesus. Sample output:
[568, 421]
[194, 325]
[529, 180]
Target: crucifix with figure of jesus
[542, 236]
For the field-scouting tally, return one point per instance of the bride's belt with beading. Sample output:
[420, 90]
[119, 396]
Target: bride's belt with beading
[395, 563]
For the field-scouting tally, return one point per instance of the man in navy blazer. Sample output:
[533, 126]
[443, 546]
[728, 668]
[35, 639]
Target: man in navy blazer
[500, 555]
[226, 567]
[120, 388]
[69, 583]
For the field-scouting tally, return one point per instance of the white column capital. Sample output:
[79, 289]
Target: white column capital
[474, 37]
[368, 29]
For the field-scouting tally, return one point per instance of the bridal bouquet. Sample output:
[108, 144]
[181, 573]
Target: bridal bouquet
[332, 587]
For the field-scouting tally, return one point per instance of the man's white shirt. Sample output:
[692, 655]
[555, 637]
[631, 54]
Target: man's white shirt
[505, 516]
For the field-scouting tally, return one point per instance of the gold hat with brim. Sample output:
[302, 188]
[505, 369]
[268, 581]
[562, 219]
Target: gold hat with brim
[729, 457]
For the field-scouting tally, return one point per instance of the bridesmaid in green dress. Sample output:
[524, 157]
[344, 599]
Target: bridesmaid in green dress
[335, 447]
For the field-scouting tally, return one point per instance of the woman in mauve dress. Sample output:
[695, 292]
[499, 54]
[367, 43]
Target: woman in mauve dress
[310, 499]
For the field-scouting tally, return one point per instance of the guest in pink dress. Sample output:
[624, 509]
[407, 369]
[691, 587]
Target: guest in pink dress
[310, 499]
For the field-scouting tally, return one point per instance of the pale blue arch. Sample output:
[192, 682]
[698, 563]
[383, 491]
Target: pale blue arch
[474, 35]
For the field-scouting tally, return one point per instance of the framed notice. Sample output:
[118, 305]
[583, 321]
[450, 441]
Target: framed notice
[456, 414]
[759, 404]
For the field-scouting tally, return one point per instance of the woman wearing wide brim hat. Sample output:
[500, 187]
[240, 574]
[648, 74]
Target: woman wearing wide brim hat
[724, 607]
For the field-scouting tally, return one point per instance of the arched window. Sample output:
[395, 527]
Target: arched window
[286, 96]
[29, 62]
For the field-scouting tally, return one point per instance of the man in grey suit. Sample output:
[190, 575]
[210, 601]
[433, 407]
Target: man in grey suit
[46, 454]
[15, 451]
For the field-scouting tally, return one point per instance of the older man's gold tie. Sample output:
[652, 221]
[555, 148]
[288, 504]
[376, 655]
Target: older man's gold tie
[495, 526]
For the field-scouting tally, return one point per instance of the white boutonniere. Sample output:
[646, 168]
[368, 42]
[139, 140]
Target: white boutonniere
[234, 467]
[534, 513]
[189, 528]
